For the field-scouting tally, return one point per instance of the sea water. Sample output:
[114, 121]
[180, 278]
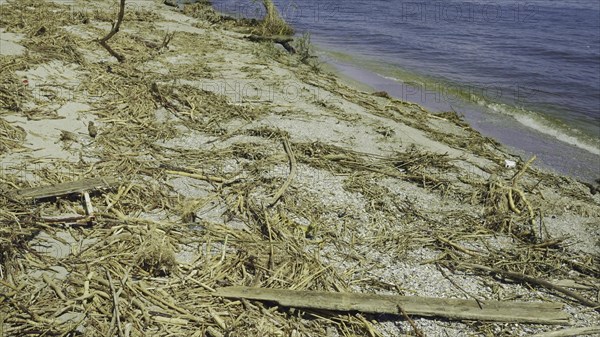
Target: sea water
[524, 72]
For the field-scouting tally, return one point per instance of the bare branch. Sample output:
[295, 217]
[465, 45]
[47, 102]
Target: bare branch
[115, 29]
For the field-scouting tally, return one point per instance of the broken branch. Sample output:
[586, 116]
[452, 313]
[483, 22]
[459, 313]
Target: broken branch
[115, 29]
[537, 281]
[284, 41]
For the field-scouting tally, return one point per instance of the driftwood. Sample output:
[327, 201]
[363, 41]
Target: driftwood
[574, 332]
[282, 40]
[62, 189]
[540, 282]
[115, 29]
[71, 219]
[454, 309]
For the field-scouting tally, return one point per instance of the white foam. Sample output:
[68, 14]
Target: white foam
[390, 78]
[529, 119]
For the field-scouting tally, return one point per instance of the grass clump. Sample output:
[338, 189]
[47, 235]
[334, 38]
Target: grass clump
[304, 49]
[203, 10]
[156, 254]
[272, 23]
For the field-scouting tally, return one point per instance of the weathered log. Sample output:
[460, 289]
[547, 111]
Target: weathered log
[573, 332]
[449, 308]
[282, 40]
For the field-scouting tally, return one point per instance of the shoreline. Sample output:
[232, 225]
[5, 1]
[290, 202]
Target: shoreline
[235, 163]
[563, 115]
[513, 131]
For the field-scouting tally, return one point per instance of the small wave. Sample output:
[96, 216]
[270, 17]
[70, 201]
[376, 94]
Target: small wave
[533, 120]
[391, 78]
[537, 122]
[529, 119]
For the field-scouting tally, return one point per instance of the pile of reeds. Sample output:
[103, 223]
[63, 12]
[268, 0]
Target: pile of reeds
[207, 199]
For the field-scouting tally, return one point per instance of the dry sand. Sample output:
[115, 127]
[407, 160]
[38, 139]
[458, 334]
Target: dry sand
[376, 229]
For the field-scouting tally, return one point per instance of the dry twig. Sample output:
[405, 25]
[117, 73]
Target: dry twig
[114, 30]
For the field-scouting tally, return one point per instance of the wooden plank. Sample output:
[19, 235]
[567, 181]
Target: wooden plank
[65, 188]
[454, 309]
[574, 332]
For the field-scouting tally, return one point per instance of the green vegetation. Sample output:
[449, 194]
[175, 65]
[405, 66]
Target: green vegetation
[272, 23]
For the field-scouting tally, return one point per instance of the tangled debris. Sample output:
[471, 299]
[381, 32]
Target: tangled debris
[214, 192]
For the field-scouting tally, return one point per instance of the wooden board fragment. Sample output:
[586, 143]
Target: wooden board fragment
[65, 188]
[454, 309]
[574, 332]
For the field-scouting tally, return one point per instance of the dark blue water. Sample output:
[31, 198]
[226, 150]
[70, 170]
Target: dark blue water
[525, 72]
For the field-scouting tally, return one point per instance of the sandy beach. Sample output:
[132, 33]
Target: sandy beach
[223, 162]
